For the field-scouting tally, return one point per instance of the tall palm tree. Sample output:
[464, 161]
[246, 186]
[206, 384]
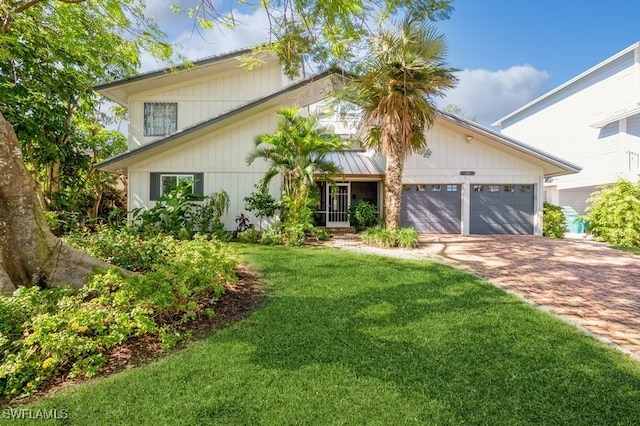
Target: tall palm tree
[298, 150]
[404, 73]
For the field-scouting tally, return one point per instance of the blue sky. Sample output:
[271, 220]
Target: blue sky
[509, 51]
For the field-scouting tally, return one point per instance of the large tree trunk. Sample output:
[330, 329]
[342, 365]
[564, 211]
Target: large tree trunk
[29, 253]
[393, 182]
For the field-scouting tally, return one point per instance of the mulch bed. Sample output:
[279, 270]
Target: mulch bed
[237, 302]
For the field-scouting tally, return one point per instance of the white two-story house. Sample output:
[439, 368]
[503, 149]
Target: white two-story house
[592, 119]
[198, 123]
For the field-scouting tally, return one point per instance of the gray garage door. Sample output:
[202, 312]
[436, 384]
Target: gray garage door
[432, 209]
[502, 209]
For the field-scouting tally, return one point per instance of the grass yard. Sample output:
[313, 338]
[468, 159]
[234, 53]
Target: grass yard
[347, 339]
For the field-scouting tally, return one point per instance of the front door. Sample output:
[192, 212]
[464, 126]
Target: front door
[338, 204]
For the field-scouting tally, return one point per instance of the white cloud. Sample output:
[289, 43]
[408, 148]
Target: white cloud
[249, 30]
[489, 95]
[195, 43]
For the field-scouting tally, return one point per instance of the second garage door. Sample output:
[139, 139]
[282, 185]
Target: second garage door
[432, 209]
[502, 209]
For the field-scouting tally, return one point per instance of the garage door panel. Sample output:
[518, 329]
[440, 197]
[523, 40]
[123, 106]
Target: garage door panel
[501, 209]
[432, 208]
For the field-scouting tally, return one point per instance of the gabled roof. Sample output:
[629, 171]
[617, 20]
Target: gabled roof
[120, 90]
[588, 72]
[552, 165]
[303, 92]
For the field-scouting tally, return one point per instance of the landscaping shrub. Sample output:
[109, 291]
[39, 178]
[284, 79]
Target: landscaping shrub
[294, 233]
[125, 247]
[271, 237]
[249, 236]
[182, 214]
[46, 333]
[554, 222]
[261, 202]
[381, 236]
[321, 234]
[614, 215]
[407, 237]
[363, 215]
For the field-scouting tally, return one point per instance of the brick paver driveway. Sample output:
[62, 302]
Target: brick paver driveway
[589, 284]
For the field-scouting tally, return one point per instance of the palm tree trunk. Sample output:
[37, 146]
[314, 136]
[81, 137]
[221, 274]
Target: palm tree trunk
[393, 183]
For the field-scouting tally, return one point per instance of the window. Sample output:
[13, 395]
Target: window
[478, 188]
[452, 188]
[509, 188]
[170, 182]
[436, 188]
[421, 188]
[161, 183]
[494, 188]
[160, 118]
[525, 188]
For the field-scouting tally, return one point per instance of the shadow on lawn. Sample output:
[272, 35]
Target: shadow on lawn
[442, 335]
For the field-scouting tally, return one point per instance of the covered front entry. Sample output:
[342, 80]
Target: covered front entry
[338, 205]
[335, 200]
[502, 209]
[432, 209]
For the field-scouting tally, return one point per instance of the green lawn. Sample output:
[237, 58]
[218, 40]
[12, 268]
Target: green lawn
[347, 339]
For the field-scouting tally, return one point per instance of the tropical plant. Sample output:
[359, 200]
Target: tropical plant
[298, 151]
[614, 215]
[182, 213]
[363, 215]
[172, 212]
[261, 202]
[208, 214]
[242, 223]
[403, 74]
[554, 222]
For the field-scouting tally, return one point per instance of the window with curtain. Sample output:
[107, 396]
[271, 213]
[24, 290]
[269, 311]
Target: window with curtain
[160, 118]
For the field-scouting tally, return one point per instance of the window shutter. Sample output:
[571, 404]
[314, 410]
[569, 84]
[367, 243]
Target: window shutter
[198, 188]
[154, 186]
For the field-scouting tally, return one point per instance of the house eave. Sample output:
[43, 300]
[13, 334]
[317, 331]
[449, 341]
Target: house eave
[120, 90]
[500, 122]
[307, 91]
[618, 115]
[552, 165]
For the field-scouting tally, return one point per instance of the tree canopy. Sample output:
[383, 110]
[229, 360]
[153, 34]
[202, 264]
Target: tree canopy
[327, 32]
[53, 53]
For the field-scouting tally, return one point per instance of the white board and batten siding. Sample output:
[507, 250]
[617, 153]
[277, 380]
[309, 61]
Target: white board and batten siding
[205, 97]
[451, 154]
[221, 157]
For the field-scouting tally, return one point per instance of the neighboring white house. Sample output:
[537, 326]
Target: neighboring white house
[199, 123]
[593, 119]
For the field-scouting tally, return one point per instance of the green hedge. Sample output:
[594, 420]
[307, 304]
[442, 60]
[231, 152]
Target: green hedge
[614, 215]
[554, 222]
